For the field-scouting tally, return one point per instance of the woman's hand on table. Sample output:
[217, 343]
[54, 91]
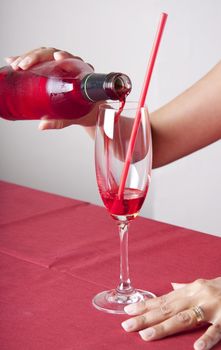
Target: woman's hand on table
[185, 308]
[44, 54]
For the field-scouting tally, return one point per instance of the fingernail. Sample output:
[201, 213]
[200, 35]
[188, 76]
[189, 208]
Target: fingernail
[8, 59]
[128, 325]
[133, 309]
[58, 55]
[148, 333]
[174, 285]
[46, 125]
[25, 62]
[200, 345]
[41, 126]
[177, 285]
[14, 65]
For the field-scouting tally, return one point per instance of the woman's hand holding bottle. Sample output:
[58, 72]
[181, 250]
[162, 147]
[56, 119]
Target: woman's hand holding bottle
[44, 54]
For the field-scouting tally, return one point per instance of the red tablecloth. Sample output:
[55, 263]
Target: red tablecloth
[57, 253]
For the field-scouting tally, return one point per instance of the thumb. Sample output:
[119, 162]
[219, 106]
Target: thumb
[54, 124]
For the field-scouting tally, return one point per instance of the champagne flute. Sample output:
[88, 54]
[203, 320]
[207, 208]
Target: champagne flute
[112, 138]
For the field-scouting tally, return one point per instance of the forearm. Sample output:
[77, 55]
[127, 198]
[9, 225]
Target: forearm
[189, 122]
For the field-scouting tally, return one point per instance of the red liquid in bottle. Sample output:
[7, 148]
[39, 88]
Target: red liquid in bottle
[65, 89]
[46, 89]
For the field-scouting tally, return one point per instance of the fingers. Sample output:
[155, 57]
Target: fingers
[166, 309]
[88, 121]
[211, 337]
[41, 54]
[183, 309]
[30, 58]
[184, 320]
[11, 59]
[160, 302]
[137, 308]
[54, 124]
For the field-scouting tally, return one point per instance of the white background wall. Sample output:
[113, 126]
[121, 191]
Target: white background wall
[117, 35]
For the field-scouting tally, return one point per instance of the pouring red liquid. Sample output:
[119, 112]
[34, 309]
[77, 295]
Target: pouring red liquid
[64, 89]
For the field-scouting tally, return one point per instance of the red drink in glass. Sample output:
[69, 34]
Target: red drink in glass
[128, 205]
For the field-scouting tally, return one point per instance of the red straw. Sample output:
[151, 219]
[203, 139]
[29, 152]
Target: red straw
[141, 102]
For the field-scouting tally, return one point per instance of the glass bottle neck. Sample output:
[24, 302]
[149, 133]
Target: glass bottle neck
[98, 87]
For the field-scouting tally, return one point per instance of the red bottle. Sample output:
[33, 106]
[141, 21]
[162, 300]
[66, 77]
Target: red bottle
[65, 89]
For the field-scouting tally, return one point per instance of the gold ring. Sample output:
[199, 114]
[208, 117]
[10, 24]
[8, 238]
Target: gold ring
[199, 314]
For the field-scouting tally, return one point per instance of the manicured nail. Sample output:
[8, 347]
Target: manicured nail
[134, 309]
[128, 325]
[131, 309]
[46, 125]
[177, 285]
[25, 62]
[147, 334]
[9, 59]
[41, 126]
[14, 65]
[200, 345]
[58, 55]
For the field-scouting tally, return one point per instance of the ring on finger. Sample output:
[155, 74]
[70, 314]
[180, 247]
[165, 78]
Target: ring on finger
[199, 314]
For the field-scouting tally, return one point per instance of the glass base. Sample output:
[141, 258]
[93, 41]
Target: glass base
[114, 302]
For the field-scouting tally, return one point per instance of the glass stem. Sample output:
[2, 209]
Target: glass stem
[124, 286]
